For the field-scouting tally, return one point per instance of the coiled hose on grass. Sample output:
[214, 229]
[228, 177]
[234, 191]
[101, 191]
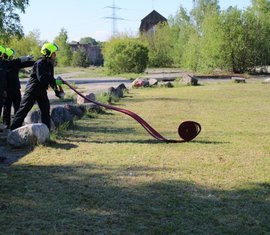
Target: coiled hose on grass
[187, 130]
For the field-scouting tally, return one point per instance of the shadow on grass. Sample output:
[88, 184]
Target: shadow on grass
[96, 199]
[210, 142]
[83, 134]
[64, 146]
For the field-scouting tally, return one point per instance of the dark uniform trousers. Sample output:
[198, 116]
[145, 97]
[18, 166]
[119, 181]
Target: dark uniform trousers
[11, 99]
[27, 103]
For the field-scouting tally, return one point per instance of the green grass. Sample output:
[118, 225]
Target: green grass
[107, 176]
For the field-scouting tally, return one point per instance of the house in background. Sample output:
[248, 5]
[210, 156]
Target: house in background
[93, 52]
[149, 22]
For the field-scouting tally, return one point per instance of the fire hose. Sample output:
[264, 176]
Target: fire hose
[187, 130]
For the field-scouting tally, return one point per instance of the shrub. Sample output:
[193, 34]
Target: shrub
[125, 55]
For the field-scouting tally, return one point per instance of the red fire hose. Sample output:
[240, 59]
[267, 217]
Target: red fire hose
[187, 130]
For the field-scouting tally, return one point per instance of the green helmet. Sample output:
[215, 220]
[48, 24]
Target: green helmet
[48, 48]
[9, 52]
[2, 50]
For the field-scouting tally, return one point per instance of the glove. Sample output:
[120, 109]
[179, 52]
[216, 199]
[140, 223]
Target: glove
[58, 81]
[26, 58]
[59, 94]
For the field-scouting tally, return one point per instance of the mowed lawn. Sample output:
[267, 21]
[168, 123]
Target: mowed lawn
[108, 176]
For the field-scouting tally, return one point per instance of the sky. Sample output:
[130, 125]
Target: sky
[89, 18]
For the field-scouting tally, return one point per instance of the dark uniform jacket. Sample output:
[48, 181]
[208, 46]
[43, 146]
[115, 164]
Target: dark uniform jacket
[13, 82]
[3, 76]
[41, 78]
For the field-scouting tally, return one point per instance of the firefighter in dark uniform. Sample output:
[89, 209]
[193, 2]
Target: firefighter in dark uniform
[3, 78]
[13, 92]
[41, 78]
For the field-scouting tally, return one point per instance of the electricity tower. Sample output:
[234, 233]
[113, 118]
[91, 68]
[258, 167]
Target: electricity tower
[114, 17]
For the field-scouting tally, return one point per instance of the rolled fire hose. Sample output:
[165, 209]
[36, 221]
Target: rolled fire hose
[187, 130]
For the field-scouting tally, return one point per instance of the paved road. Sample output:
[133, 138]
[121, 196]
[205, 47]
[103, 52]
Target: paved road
[90, 85]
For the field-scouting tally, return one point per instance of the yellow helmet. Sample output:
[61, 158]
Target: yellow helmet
[2, 50]
[48, 48]
[9, 52]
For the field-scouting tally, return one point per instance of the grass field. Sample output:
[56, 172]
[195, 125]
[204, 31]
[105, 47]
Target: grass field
[107, 176]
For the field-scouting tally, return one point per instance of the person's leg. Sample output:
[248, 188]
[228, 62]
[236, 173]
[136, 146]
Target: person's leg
[44, 105]
[1, 101]
[17, 98]
[27, 103]
[7, 110]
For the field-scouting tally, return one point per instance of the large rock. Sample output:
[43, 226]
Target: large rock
[165, 84]
[140, 82]
[115, 92]
[81, 100]
[35, 117]
[29, 135]
[238, 79]
[153, 82]
[189, 80]
[75, 110]
[60, 115]
[122, 87]
[89, 107]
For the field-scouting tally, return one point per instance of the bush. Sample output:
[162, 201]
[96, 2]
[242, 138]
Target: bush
[125, 55]
[80, 59]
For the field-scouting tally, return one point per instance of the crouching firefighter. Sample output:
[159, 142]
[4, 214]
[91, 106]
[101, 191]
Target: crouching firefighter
[41, 78]
[13, 92]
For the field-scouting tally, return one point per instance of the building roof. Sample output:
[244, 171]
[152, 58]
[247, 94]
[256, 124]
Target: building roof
[151, 20]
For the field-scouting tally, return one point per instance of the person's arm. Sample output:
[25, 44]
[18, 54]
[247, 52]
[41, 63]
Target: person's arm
[26, 64]
[45, 75]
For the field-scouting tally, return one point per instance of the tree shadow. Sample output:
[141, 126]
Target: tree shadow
[95, 199]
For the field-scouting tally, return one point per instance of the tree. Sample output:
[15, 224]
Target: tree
[211, 42]
[27, 45]
[88, 40]
[9, 19]
[125, 55]
[64, 55]
[80, 58]
[159, 44]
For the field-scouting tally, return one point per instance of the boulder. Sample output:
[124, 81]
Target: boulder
[239, 80]
[60, 115]
[122, 87]
[140, 82]
[116, 92]
[89, 107]
[166, 84]
[35, 117]
[29, 135]
[153, 82]
[75, 110]
[81, 100]
[189, 80]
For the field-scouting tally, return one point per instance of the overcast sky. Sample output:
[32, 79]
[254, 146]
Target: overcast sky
[87, 18]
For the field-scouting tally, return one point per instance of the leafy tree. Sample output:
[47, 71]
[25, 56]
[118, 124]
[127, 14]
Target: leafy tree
[200, 10]
[80, 58]
[211, 42]
[27, 45]
[124, 55]
[9, 19]
[182, 30]
[64, 55]
[88, 40]
[159, 44]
